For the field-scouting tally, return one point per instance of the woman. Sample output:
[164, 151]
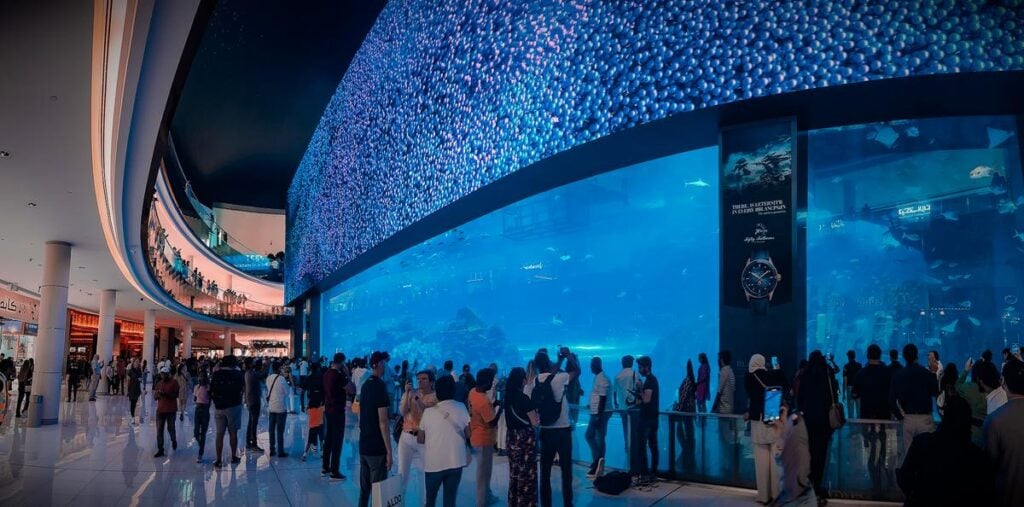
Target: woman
[442, 433]
[201, 419]
[762, 434]
[686, 403]
[134, 387]
[278, 389]
[184, 381]
[703, 387]
[145, 376]
[521, 418]
[947, 386]
[24, 387]
[818, 392]
[482, 435]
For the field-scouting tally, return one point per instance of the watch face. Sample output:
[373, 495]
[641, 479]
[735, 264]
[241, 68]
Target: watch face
[759, 279]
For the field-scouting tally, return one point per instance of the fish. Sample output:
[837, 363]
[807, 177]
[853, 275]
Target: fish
[534, 266]
[1019, 236]
[997, 136]
[565, 257]
[967, 276]
[700, 183]
[964, 304]
[407, 286]
[955, 277]
[950, 215]
[621, 295]
[931, 280]
[946, 288]
[566, 290]
[974, 321]
[545, 278]
[950, 328]
[588, 257]
[683, 272]
[913, 132]
[837, 179]
[475, 280]
[982, 171]
[935, 264]
[1006, 206]
[954, 264]
[911, 236]
[550, 249]
[557, 321]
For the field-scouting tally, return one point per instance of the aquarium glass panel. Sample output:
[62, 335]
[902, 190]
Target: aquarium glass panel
[914, 235]
[621, 263]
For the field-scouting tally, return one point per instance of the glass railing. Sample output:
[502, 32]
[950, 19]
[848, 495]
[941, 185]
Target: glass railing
[716, 449]
[197, 292]
[200, 219]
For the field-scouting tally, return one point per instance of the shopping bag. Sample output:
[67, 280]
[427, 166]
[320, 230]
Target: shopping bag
[388, 493]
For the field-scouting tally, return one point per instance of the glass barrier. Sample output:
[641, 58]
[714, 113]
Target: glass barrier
[190, 287]
[716, 449]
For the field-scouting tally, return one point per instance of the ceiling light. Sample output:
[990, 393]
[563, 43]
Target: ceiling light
[4, 154]
[31, 205]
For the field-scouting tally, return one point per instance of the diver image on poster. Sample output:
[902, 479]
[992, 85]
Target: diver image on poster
[757, 196]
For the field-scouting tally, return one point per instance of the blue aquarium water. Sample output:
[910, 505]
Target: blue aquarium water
[621, 263]
[914, 235]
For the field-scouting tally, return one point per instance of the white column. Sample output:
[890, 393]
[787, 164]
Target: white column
[148, 339]
[187, 340]
[228, 345]
[105, 338]
[50, 351]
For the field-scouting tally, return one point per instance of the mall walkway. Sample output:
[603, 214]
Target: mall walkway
[94, 457]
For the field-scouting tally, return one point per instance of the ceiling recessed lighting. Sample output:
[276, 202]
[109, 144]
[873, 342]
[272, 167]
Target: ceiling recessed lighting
[4, 154]
[53, 97]
[81, 267]
[31, 205]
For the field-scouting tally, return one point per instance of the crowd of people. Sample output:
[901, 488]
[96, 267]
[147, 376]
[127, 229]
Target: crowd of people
[438, 420]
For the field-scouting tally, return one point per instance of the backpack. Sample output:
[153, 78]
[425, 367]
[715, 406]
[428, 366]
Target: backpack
[549, 408]
[613, 483]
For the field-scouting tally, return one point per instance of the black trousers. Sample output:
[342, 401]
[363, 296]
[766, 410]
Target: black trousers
[818, 438]
[646, 439]
[250, 427]
[133, 402]
[555, 441]
[201, 425]
[335, 424]
[162, 420]
[22, 395]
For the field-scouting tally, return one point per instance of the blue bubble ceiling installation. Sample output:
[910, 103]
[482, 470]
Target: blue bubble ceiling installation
[445, 97]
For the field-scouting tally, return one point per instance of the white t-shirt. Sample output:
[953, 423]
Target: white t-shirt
[601, 387]
[558, 386]
[625, 383]
[358, 377]
[278, 393]
[995, 399]
[445, 426]
[304, 368]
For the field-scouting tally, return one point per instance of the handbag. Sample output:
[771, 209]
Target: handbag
[836, 414]
[388, 493]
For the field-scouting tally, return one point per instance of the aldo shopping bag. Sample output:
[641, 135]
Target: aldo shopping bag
[388, 493]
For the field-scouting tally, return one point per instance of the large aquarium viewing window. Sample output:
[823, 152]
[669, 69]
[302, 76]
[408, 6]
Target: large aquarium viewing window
[915, 234]
[621, 263]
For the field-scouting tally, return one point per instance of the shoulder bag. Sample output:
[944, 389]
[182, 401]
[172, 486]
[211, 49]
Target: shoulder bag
[836, 414]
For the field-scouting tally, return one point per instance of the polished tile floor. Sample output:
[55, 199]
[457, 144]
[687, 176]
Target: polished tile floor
[95, 457]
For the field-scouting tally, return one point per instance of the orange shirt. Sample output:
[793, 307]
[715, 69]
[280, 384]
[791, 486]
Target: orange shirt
[316, 416]
[481, 414]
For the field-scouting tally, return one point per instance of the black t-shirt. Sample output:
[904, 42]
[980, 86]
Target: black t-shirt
[649, 411]
[226, 386]
[516, 411]
[373, 396]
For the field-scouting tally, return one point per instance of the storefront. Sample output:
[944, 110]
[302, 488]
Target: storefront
[85, 328]
[18, 325]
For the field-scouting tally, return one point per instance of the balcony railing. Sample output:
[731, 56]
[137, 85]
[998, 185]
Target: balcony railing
[198, 292]
[716, 449]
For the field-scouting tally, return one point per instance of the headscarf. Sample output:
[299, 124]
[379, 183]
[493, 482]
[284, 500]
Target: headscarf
[756, 363]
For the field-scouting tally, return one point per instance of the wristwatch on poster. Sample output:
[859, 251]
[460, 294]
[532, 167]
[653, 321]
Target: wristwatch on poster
[759, 279]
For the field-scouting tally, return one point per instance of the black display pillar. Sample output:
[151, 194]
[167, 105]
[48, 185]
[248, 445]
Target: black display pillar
[758, 301]
[298, 330]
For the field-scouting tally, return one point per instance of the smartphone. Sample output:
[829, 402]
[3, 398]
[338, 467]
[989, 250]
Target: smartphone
[1016, 349]
[775, 362]
[772, 404]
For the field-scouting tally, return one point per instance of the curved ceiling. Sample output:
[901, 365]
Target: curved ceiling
[257, 87]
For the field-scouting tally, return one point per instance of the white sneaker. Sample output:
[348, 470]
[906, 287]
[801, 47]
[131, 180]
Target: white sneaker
[303, 455]
[600, 468]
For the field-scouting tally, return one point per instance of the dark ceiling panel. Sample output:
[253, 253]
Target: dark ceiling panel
[263, 75]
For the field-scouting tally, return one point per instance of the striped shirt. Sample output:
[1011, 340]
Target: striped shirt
[726, 390]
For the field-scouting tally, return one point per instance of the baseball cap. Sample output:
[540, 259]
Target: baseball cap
[165, 369]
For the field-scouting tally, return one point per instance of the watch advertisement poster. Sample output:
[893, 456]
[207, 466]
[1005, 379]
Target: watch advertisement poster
[757, 164]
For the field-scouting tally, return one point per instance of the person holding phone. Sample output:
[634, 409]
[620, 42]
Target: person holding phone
[764, 391]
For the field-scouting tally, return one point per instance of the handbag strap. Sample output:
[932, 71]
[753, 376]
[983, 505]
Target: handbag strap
[831, 390]
[272, 384]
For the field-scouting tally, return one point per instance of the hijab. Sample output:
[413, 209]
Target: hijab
[756, 363]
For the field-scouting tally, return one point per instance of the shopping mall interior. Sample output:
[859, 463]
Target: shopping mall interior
[355, 227]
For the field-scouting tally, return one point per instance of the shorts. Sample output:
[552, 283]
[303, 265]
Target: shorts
[316, 416]
[228, 419]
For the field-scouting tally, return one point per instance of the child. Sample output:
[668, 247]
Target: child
[202, 414]
[314, 409]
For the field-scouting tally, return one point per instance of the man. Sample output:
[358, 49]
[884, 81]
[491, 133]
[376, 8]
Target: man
[850, 370]
[548, 390]
[97, 370]
[870, 387]
[335, 380]
[935, 365]
[988, 381]
[253, 395]
[374, 436]
[1004, 439]
[894, 360]
[166, 393]
[599, 415]
[625, 384]
[910, 396]
[303, 374]
[122, 375]
[647, 432]
[411, 406]
[227, 385]
[74, 377]
[449, 369]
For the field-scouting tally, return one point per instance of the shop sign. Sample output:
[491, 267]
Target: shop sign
[18, 307]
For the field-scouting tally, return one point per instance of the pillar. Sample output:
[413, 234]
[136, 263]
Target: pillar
[298, 332]
[105, 338]
[50, 351]
[228, 344]
[187, 341]
[165, 343]
[148, 339]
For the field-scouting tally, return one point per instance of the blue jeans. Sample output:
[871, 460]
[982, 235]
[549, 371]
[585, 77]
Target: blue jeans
[596, 431]
[450, 478]
[277, 422]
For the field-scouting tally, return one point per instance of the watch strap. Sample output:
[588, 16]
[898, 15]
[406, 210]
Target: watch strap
[759, 306]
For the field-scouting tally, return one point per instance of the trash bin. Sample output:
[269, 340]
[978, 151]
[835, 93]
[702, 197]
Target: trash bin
[35, 412]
